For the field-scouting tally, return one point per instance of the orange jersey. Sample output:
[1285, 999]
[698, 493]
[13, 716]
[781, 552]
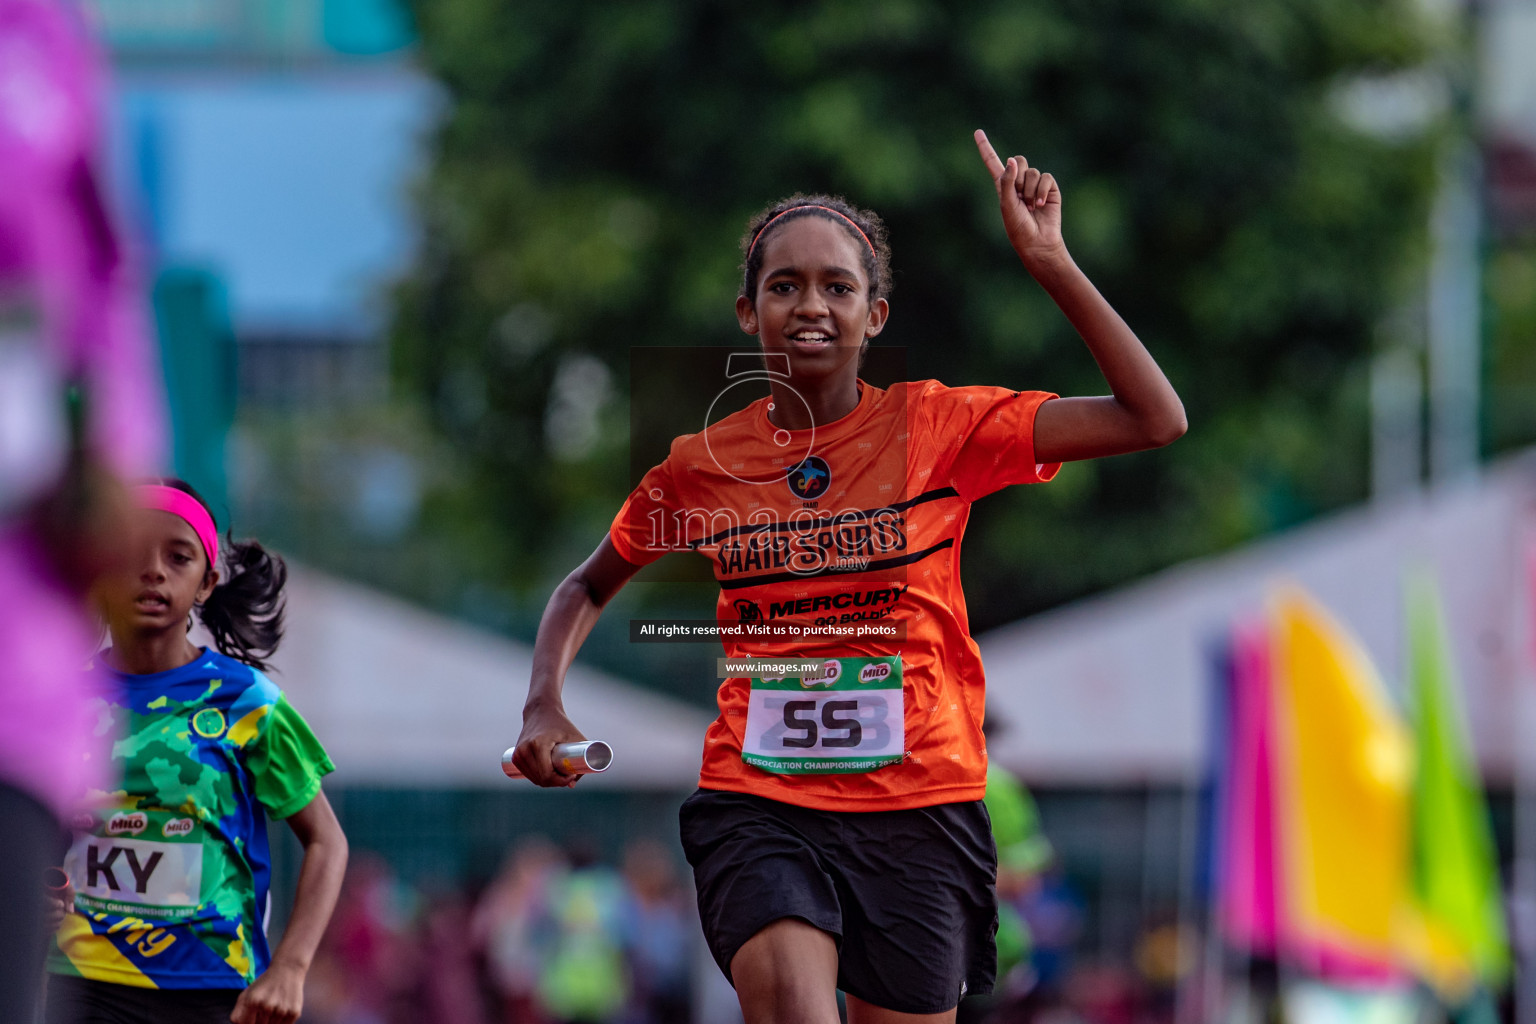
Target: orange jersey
[856, 522]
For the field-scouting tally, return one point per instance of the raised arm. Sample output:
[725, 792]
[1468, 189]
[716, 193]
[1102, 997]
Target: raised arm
[1142, 410]
[572, 611]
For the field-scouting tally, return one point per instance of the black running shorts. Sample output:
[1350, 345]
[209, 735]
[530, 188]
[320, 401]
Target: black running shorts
[83, 1001]
[909, 896]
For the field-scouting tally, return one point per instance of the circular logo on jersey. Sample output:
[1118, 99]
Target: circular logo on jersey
[810, 480]
[209, 723]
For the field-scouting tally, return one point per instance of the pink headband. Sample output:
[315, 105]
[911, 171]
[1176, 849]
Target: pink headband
[179, 503]
[809, 206]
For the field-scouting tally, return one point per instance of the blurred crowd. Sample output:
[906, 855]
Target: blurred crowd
[557, 937]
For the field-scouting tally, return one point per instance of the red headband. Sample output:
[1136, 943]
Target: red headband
[179, 503]
[810, 206]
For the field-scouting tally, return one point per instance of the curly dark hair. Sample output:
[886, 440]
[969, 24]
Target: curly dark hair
[876, 255]
[245, 611]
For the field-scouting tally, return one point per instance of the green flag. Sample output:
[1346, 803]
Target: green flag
[1455, 867]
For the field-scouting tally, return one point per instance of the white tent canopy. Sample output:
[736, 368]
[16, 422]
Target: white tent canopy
[1114, 689]
[400, 696]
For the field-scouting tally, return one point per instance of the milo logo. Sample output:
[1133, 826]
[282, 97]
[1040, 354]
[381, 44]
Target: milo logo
[176, 827]
[127, 824]
[875, 672]
[83, 822]
[824, 676]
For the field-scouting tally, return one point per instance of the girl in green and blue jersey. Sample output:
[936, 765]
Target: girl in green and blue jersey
[171, 871]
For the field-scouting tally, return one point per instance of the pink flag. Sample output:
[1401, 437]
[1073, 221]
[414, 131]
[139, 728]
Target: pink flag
[1249, 893]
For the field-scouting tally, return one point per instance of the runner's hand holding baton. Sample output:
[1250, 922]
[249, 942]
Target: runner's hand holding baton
[572, 611]
[534, 755]
[572, 759]
[61, 896]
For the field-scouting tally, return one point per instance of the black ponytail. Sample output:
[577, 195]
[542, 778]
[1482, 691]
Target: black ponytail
[244, 614]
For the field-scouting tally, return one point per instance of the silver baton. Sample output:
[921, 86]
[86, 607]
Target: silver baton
[581, 758]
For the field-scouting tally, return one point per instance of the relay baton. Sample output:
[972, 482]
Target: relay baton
[581, 758]
[57, 885]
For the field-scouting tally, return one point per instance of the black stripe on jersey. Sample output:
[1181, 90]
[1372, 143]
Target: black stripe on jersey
[873, 566]
[851, 516]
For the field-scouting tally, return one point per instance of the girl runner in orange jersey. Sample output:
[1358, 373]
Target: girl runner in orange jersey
[837, 837]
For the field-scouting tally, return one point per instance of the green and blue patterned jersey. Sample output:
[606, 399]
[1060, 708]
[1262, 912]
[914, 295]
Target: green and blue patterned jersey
[171, 872]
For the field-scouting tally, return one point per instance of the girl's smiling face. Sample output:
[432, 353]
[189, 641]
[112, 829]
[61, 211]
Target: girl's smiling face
[165, 578]
[813, 299]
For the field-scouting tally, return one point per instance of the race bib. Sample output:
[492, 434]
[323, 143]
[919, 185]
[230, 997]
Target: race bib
[837, 716]
[148, 863]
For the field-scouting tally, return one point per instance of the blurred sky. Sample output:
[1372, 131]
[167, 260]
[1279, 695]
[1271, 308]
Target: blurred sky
[290, 186]
[272, 143]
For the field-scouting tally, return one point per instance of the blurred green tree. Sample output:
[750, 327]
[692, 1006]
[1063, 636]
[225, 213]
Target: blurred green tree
[596, 164]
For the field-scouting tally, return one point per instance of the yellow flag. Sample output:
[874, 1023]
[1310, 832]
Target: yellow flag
[1344, 772]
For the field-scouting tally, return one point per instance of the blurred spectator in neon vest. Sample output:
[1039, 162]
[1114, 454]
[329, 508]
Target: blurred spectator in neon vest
[1023, 852]
[584, 978]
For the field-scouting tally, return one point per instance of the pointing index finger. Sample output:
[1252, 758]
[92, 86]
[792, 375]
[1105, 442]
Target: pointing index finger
[989, 155]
